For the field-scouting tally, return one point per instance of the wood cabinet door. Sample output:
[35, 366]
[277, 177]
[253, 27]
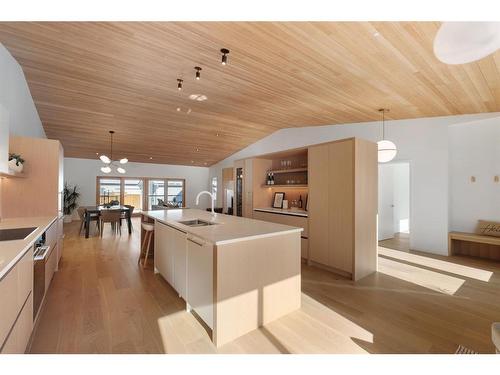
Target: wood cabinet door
[8, 302]
[318, 201]
[341, 205]
[180, 261]
[200, 296]
[161, 253]
[18, 338]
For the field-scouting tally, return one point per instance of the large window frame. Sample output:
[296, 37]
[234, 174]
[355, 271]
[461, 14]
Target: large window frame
[145, 182]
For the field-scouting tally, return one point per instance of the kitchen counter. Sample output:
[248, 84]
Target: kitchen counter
[281, 211]
[12, 251]
[228, 229]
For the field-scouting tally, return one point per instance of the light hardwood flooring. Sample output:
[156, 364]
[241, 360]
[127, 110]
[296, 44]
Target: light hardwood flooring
[101, 301]
[401, 241]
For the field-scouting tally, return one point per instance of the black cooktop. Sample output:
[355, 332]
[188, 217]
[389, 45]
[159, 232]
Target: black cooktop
[15, 233]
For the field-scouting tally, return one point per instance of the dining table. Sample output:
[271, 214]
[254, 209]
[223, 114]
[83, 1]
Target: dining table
[96, 210]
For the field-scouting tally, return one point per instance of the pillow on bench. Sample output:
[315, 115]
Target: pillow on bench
[488, 228]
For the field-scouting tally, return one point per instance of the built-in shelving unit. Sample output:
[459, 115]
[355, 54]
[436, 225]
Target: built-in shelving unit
[12, 175]
[291, 170]
[301, 186]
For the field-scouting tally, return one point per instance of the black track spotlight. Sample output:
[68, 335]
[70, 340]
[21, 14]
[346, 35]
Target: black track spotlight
[224, 52]
[179, 84]
[198, 74]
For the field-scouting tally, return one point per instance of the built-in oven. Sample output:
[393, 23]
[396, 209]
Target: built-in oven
[40, 254]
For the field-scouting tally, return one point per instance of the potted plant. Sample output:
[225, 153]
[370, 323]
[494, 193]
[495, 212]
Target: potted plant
[71, 195]
[16, 163]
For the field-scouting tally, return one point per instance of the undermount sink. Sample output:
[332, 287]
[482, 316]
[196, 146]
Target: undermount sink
[196, 223]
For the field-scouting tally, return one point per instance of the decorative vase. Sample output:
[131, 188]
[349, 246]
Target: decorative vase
[14, 167]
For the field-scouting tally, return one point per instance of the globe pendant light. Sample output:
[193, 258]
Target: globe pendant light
[465, 42]
[109, 160]
[387, 150]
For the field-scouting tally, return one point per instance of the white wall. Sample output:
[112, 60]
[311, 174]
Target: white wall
[83, 172]
[474, 151]
[4, 139]
[401, 183]
[16, 98]
[423, 142]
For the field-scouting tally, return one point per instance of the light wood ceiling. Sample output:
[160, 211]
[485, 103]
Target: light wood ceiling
[88, 78]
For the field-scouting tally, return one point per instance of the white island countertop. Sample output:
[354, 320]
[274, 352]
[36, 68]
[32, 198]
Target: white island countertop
[228, 229]
[12, 251]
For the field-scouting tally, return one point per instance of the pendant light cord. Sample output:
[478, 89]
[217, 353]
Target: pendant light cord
[383, 124]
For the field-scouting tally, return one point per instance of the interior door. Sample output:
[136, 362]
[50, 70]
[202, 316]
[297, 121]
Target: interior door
[385, 202]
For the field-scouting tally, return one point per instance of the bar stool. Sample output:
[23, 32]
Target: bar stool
[149, 228]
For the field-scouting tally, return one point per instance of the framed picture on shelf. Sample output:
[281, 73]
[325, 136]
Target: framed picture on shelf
[278, 200]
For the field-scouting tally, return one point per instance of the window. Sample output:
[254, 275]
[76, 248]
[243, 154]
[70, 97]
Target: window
[133, 190]
[109, 190]
[214, 187]
[156, 193]
[142, 193]
[175, 192]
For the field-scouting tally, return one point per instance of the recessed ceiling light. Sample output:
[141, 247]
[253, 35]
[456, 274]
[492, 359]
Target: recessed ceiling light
[179, 84]
[150, 158]
[198, 97]
[217, 134]
[178, 109]
[376, 33]
[198, 74]
[224, 51]
[192, 161]
[188, 111]
[197, 149]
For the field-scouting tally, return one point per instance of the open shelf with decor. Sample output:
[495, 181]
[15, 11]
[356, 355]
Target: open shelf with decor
[12, 174]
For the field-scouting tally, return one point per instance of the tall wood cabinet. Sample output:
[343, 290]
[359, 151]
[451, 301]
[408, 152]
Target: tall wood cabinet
[342, 179]
[40, 191]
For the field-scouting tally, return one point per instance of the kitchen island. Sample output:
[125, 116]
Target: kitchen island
[235, 274]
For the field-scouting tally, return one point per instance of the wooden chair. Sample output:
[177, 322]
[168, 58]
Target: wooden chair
[126, 214]
[149, 228]
[112, 217]
[82, 213]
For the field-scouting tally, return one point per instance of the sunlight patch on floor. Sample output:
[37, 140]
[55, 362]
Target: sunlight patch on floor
[428, 279]
[314, 328]
[465, 271]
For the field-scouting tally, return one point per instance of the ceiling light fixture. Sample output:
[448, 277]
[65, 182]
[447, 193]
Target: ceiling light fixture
[224, 52]
[198, 74]
[198, 97]
[465, 42]
[179, 84]
[109, 160]
[386, 149]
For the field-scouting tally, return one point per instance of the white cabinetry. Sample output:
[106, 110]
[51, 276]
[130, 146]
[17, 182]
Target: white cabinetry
[200, 296]
[16, 301]
[170, 256]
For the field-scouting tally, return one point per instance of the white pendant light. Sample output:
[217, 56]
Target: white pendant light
[387, 150]
[105, 159]
[108, 161]
[465, 42]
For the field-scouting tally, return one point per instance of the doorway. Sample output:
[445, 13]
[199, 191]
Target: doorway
[394, 205]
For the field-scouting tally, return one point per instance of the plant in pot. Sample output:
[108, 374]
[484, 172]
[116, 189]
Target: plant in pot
[16, 163]
[71, 195]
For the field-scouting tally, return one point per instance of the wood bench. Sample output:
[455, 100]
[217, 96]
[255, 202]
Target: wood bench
[475, 245]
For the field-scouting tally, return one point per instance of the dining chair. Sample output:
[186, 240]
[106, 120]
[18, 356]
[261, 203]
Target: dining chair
[126, 214]
[82, 213]
[112, 217]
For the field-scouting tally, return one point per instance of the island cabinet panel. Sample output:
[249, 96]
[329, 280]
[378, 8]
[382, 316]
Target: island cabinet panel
[200, 297]
[318, 179]
[256, 281]
[164, 256]
[179, 250]
[8, 303]
[170, 256]
[19, 336]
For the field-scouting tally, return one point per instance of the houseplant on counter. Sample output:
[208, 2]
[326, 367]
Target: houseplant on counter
[16, 163]
[71, 195]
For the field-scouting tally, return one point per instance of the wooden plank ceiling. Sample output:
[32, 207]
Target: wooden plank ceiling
[88, 78]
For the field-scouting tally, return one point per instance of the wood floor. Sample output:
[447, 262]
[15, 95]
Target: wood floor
[401, 241]
[100, 301]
